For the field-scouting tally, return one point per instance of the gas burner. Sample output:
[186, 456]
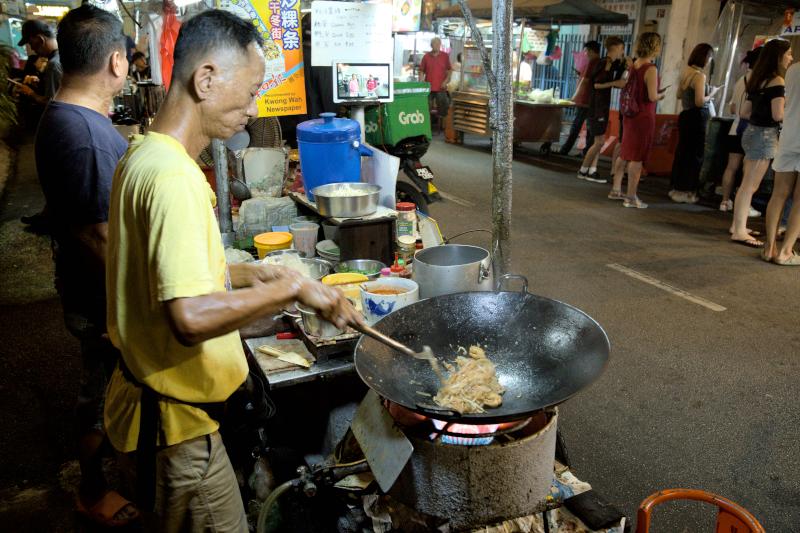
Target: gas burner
[474, 434]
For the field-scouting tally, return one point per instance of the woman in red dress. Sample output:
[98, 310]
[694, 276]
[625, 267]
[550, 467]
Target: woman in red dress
[640, 129]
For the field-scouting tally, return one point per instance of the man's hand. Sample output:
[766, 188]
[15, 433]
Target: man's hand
[249, 274]
[330, 302]
[29, 80]
[25, 90]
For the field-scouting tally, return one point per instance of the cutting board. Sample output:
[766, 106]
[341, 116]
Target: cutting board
[271, 365]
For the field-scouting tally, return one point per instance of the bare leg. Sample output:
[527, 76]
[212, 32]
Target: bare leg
[619, 173]
[753, 174]
[93, 482]
[781, 189]
[615, 159]
[729, 176]
[792, 227]
[594, 153]
[634, 173]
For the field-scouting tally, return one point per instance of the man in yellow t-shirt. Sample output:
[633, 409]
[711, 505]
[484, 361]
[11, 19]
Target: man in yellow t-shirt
[169, 312]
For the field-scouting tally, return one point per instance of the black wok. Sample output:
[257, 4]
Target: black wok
[545, 351]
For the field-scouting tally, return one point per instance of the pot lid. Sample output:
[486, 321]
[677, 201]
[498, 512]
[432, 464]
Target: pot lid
[328, 129]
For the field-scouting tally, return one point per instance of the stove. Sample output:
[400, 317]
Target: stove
[470, 476]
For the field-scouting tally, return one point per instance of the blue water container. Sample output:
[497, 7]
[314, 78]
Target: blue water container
[330, 151]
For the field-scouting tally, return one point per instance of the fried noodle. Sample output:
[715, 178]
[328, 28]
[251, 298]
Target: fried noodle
[471, 386]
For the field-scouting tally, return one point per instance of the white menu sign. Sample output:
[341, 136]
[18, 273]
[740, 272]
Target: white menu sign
[348, 32]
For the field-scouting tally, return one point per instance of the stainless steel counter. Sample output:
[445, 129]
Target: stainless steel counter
[334, 367]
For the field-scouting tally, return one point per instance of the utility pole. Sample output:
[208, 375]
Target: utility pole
[501, 120]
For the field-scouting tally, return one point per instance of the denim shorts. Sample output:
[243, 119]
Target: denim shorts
[760, 142]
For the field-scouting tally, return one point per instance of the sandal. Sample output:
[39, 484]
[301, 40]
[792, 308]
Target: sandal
[764, 256]
[616, 195]
[634, 202]
[750, 243]
[794, 260]
[106, 509]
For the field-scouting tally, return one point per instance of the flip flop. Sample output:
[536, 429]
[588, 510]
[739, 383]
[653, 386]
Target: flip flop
[764, 257]
[106, 508]
[750, 243]
[794, 260]
[751, 232]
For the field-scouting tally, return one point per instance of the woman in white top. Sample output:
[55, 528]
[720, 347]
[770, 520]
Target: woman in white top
[786, 166]
[734, 141]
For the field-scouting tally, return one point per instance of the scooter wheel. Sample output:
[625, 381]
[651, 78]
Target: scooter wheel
[406, 192]
[544, 149]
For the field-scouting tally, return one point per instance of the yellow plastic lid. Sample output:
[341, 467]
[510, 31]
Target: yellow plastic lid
[344, 278]
[273, 238]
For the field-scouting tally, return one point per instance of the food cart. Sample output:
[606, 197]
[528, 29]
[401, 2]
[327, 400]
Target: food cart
[537, 118]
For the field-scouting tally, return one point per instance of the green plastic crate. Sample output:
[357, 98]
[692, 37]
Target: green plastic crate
[408, 116]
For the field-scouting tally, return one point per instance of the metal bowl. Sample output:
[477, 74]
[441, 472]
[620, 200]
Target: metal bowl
[315, 325]
[317, 268]
[286, 251]
[361, 266]
[329, 204]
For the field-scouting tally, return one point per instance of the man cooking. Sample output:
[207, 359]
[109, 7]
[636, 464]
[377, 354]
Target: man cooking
[77, 150]
[169, 312]
[435, 67]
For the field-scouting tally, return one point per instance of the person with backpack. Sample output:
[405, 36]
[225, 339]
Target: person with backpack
[695, 96]
[638, 108]
[764, 110]
[606, 75]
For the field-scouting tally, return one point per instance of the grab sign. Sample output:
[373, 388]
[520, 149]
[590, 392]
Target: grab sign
[411, 118]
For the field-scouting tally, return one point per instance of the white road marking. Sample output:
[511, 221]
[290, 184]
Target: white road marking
[456, 199]
[666, 287]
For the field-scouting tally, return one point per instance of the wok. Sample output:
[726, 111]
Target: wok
[545, 351]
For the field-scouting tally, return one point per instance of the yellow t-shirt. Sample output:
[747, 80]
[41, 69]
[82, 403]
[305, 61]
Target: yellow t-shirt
[164, 243]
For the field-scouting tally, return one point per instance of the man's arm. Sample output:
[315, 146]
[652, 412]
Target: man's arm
[93, 238]
[200, 318]
[33, 95]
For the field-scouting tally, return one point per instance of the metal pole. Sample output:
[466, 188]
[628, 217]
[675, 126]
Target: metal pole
[503, 135]
[220, 154]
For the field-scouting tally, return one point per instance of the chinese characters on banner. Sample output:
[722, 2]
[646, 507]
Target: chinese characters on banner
[283, 90]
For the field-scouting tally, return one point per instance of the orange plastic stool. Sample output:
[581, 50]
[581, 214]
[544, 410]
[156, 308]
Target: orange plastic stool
[732, 517]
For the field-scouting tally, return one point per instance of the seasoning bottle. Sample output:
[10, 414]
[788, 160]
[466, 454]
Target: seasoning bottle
[396, 269]
[406, 219]
[406, 273]
[406, 247]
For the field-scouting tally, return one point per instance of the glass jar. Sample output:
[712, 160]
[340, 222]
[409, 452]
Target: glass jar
[406, 247]
[406, 219]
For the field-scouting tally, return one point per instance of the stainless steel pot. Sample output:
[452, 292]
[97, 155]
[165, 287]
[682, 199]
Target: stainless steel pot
[315, 325]
[452, 268]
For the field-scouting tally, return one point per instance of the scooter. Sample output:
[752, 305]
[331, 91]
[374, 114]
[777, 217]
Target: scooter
[420, 189]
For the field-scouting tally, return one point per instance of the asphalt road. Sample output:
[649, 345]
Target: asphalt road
[692, 397]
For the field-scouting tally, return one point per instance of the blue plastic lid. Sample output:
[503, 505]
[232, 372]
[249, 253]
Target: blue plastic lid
[328, 129]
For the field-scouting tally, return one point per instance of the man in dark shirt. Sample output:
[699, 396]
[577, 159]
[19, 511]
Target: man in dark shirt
[581, 98]
[77, 150]
[42, 40]
[607, 74]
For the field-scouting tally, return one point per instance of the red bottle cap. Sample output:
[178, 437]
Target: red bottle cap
[406, 206]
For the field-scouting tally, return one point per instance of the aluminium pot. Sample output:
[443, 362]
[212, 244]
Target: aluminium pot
[315, 325]
[452, 268]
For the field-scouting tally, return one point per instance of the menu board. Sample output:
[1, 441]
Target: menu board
[346, 32]
[283, 91]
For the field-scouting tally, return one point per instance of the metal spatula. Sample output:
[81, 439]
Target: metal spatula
[426, 353]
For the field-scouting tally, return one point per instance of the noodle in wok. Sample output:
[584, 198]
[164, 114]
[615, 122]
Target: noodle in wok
[472, 386]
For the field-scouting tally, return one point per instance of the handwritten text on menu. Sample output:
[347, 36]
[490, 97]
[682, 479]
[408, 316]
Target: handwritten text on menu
[349, 32]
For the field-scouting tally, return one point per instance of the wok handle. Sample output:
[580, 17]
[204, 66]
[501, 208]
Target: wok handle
[380, 337]
[509, 277]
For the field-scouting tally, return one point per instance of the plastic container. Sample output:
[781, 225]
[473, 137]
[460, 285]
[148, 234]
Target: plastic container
[386, 272]
[305, 237]
[406, 219]
[271, 241]
[330, 151]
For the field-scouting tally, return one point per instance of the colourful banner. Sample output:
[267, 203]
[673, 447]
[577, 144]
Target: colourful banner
[283, 91]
